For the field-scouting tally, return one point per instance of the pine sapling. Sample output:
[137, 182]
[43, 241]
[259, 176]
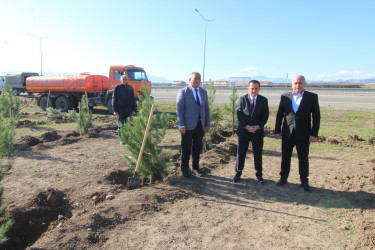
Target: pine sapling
[85, 117]
[5, 225]
[9, 103]
[155, 160]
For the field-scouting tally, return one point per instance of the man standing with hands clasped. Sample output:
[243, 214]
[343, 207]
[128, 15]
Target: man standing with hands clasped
[123, 102]
[193, 115]
[295, 128]
[252, 114]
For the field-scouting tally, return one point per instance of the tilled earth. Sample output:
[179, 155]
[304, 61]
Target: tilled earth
[67, 191]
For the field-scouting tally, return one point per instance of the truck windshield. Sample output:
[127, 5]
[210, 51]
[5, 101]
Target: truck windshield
[137, 75]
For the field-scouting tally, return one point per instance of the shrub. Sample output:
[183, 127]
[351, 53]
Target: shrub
[55, 114]
[85, 117]
[9, 103]
[216, 114]
[154, 161]
[4, 227]
[6, 136]
[232, 109]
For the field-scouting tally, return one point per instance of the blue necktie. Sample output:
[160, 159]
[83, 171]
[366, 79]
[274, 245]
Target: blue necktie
[199, 103]
[196, 94]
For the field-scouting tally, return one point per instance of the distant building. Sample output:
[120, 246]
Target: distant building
[179, 83]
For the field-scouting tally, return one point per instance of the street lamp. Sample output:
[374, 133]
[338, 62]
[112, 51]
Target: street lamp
[204, 52]
[40, 39]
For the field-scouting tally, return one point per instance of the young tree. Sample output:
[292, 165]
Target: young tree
[84, 117]
[6, 136]
[4, 227]
[216, 114]
[9, 103]
[232, 109]
[155, 160]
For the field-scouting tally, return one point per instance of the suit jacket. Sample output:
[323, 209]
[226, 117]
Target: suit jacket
[245, 116]
[187, 108]
[308, 108]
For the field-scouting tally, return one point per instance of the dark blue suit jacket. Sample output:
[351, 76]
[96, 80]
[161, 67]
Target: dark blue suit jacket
[259, 116]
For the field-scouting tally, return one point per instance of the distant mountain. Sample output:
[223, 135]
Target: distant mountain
[289, 80]
[158, 79]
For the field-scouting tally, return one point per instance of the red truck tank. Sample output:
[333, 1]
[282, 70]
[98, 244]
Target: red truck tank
[70, 83]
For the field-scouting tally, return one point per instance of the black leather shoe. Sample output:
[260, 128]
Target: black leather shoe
[306, 187]
[236, 178]
[281, 182]
[261, 180]
[186, 174]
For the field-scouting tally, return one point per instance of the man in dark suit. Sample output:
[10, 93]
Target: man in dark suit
[193, 116]
[295, 128]
[252, 114]
[123, 103]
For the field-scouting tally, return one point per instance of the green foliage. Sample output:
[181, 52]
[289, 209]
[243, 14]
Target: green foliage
[4, 227]
[155, 160]
[216, 114]
[7, 132]
[85, 117]
[73, 116]
[9, 103]
[343, 123]
[55, 114]
[231, 109]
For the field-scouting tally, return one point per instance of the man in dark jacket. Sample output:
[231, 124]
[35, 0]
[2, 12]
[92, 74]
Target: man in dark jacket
[123, 102]
[252, 114]
[297, 124]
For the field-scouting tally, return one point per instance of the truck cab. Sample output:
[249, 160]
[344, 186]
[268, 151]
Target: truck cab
[136, 76]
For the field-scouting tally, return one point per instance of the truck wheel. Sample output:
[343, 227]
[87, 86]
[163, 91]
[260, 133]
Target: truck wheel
[63, 104]
[43, 103]
[109, 106]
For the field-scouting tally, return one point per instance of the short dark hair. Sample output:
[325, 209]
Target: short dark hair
[195, 73]
[253, 82]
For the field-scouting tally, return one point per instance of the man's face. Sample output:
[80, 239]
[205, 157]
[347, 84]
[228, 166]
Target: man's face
[253, 89]
[298, 85]
[195, 80]
[124, 80]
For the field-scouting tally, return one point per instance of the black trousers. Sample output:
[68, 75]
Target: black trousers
[244, 140]
[191, 144]
[121, 120]
[302, 146]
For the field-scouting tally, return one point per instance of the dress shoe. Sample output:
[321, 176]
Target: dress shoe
[261, 180]
[281, 182]
[236, 178]
[197, 172]
[186, 174]
[306, 187]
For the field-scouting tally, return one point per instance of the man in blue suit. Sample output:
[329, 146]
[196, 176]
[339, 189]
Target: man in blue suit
[193, 116]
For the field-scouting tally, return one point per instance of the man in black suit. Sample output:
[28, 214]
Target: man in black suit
[252, 114]
[294, 114]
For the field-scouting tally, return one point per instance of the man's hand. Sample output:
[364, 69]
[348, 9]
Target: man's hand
[115, 113]
[277, 136]
[313, 139]
[252, 129]
[207, 129]
[133, 113]
[183, 130]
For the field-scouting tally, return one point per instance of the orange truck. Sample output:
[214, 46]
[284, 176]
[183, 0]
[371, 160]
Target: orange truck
[64, 92]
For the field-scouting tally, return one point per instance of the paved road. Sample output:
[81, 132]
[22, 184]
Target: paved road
[336, 98]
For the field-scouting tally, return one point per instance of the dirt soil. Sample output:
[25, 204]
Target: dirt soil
[67, 191]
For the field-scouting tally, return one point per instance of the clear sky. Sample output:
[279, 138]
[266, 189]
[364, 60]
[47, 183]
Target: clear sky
[321, 39]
